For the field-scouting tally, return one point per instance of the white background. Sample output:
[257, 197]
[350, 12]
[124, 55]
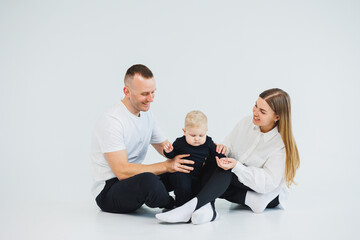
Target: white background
[62, 65]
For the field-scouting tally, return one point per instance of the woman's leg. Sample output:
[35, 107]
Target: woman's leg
[258, 202]
[241, 194]
[236, 192]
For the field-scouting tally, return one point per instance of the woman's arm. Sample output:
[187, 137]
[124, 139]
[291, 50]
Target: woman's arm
[261, 180]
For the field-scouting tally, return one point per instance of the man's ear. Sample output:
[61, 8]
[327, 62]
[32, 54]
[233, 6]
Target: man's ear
[126, 91]
[184, 130]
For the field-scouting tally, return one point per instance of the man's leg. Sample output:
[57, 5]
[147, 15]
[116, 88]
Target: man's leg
[130, 194]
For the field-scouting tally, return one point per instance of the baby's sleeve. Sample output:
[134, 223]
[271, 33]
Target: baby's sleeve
[213, 152]
[174, 152]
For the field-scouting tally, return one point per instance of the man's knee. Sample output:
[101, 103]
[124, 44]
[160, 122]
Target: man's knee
[151, 182]
[154, 193]
[148, 176]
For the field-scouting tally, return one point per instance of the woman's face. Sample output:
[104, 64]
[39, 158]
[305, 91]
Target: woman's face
[264, 116]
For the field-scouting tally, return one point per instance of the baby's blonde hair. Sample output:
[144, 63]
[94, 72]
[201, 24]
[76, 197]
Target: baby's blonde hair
[195, 119]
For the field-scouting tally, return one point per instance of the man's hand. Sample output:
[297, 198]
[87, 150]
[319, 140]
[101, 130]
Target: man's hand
[220, 148]
[168, 147]
[226, 163]
[177, 164]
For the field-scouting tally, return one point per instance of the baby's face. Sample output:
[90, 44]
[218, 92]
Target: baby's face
[195, 136]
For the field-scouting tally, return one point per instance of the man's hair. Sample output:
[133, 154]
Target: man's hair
[140, 69]
[195, 119]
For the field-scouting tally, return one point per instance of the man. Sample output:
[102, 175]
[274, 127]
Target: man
[120, 142]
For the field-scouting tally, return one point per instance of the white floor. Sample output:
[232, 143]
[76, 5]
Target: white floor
[302, 219]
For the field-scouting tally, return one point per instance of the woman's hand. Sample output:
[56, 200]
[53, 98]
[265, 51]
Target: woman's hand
[226, 163]
[220, 148]
[168, 147]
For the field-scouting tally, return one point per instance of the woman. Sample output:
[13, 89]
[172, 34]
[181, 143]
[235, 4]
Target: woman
[261, 164]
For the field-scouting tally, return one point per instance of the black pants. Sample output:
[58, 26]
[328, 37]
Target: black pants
[218, 183]
[184, 185]
[130, 194]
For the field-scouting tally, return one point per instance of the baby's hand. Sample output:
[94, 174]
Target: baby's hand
[168, 147]
[220, 148]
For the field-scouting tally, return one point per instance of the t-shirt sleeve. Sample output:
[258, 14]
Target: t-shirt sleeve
[157, 136]
[170, 155]
[110, 135]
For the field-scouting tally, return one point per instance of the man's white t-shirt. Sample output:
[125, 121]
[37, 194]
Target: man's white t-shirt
[119, 129]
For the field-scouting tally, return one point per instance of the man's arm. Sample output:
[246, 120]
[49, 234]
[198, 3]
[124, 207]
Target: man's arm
[122, 169]
[160, 147]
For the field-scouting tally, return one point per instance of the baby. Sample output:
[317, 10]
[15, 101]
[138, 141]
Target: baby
[200, 147]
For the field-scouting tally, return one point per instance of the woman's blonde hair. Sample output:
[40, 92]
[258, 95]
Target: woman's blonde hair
[279, 101]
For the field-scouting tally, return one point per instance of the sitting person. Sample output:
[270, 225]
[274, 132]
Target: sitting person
[120, 142]
[200, 147]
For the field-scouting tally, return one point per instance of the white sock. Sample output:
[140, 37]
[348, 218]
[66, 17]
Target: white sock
[258, 201]
[203, 215]
[179, 214]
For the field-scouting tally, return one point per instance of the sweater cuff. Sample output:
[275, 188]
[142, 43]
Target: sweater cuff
[169, 155]
[238, 169]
